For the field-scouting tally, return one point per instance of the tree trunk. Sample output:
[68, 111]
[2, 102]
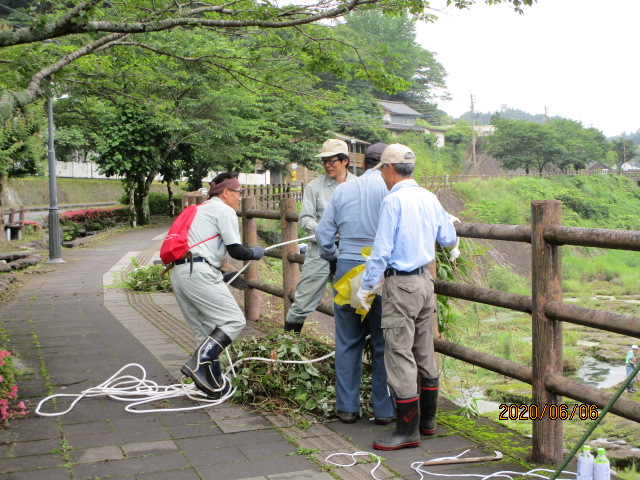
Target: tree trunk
[133, 217]
[172, 207]
[2, 183]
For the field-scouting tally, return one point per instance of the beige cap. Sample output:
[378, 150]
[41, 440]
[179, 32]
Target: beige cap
[333, 147]
[396, 153]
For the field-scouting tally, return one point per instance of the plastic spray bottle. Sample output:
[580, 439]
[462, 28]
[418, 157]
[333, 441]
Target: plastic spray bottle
[585, 464]
[601, 467]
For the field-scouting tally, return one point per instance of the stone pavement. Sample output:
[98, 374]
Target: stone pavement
[72, 331]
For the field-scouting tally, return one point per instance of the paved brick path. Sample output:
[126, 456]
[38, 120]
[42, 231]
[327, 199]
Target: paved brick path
[71, 332]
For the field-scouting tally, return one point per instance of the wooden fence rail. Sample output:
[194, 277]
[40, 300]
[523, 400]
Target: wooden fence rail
[546, 235]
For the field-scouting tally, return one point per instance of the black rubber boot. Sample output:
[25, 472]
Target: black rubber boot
[406, 434]
[293, 327]
[428, 404]
[204, 368]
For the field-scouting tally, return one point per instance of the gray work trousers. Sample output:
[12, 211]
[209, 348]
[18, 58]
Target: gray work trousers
[408, 313]
[205, 301]
[311, 287]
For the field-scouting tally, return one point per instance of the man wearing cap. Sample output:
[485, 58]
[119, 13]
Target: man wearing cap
[411, 221]
[204, 299]
[334, 156]
[630, 363]
[352, 214]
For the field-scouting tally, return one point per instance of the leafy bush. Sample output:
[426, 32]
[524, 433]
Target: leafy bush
[96, 214]
[31, 226]
[76, 223]
[9, 405]
[158, 202]
[145, 279]
[309, 388]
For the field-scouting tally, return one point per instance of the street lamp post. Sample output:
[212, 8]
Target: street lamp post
[54, 219]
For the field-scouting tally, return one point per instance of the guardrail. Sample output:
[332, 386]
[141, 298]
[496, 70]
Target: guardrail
[546, 235]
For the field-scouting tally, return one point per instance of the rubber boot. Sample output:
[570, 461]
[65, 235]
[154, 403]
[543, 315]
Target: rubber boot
[428, 404]
[204, 367]
[293, 327]
[406, 434]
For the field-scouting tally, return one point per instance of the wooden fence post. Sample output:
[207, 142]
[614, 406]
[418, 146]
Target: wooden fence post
[290, 271]
[250, 234]
[432, 268]
[547, 333]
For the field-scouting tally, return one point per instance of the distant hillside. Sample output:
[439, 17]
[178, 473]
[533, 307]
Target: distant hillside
[509, 113]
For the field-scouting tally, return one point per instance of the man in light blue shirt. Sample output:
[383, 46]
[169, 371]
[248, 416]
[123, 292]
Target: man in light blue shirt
[352, 215]
[411, 221]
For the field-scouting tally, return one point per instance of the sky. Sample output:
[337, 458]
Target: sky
[576, 58]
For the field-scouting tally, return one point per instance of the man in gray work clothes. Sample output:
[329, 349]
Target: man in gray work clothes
[334, 156]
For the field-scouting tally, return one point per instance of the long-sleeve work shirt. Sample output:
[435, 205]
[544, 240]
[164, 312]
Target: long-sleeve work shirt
[411, 221]
[353, 213]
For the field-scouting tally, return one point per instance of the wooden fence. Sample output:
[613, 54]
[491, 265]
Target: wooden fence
[266, 196]
[546, 235]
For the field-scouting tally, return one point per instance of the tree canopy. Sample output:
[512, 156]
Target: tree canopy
[561, 144]
[39, 43]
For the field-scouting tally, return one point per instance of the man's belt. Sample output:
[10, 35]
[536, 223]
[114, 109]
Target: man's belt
[187, 260]
[390, 272]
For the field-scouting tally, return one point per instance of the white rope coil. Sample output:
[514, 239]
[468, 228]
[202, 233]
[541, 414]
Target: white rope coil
[138, 390]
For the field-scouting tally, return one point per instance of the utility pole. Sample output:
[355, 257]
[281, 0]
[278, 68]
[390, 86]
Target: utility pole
[546, 112]
[473, 133]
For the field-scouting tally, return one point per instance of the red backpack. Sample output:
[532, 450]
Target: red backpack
[176, 244]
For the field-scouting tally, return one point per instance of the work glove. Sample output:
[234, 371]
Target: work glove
[454, 219]
[333, 264]
[366, 298]
[258, 252]
[239, 282]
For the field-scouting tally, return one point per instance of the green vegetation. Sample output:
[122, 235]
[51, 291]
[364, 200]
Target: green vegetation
[144, 279]
[591, 278]
[298, 387]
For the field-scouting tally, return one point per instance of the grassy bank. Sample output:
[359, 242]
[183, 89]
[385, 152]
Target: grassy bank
[34, 191]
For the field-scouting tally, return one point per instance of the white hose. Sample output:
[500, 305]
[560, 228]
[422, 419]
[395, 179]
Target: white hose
[417, 467]
[140, 391]
[269, 248]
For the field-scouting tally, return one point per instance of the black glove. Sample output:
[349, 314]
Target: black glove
[332, 267]
[239, 282]
[258, 252]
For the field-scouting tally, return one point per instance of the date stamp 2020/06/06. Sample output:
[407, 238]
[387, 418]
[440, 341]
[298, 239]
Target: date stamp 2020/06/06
[562, 411]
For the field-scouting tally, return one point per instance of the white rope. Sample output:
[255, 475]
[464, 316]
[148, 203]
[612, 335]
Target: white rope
[139, 391]
[354, 461]
[269, 248]
[502, 474]
[417, 467]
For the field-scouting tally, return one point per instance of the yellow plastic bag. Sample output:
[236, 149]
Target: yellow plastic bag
[348, 286]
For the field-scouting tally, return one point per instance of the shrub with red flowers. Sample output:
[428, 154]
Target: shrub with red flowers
[95, 214]
[79, 223]
[10, 407]
[31, 226]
